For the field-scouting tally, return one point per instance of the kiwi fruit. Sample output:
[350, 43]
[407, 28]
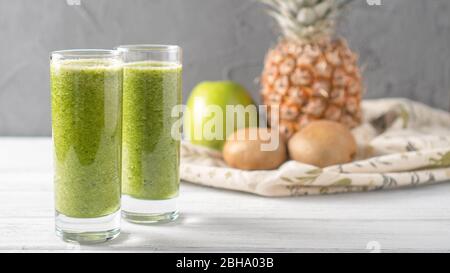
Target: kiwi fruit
[323, 143]
[243, 150]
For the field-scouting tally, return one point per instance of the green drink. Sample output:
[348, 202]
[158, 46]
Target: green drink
[86, 97]
[150, 154]
[151, 89]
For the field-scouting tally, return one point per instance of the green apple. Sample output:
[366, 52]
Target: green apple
[216, 110]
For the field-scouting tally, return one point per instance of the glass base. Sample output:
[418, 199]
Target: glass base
[139, 218]
[88, 230]
[141, 211]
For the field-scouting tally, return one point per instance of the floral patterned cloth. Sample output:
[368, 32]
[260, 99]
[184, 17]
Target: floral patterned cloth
[400, 143]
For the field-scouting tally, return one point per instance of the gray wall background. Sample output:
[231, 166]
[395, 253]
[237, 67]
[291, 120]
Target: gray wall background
[404, 46]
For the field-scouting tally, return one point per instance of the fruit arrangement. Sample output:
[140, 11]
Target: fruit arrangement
[312, 86]
[311, 82]
[309, 75]
[321, 143]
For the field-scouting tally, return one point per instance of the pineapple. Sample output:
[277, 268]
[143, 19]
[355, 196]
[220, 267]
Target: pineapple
[309, 75]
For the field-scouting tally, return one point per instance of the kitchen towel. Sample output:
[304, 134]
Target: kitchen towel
[401, 143]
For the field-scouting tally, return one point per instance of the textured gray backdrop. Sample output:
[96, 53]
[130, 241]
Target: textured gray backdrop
[404, 45]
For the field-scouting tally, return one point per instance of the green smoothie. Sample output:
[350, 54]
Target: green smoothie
[150, 154]
[86, 97]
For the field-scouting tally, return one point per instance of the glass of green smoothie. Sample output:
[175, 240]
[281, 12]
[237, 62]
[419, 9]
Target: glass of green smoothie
[151, 154]
[86, 99]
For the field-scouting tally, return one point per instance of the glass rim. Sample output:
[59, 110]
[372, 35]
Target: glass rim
[85, 53]
[149, 48]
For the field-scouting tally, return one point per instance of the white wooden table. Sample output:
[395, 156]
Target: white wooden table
[216, 220]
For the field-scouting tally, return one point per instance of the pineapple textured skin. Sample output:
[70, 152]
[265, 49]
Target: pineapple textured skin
[309, 76]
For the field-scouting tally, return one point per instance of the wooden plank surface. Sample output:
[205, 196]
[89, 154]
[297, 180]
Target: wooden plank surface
[215, 220]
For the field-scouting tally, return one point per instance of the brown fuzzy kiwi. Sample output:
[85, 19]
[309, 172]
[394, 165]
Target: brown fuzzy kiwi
[247, 154]
[323, 143]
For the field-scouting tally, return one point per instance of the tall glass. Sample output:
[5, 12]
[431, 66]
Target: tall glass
[151, 89]
[86, 98]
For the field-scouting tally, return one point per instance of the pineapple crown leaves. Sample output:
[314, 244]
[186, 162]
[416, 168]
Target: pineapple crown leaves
[306, 20]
